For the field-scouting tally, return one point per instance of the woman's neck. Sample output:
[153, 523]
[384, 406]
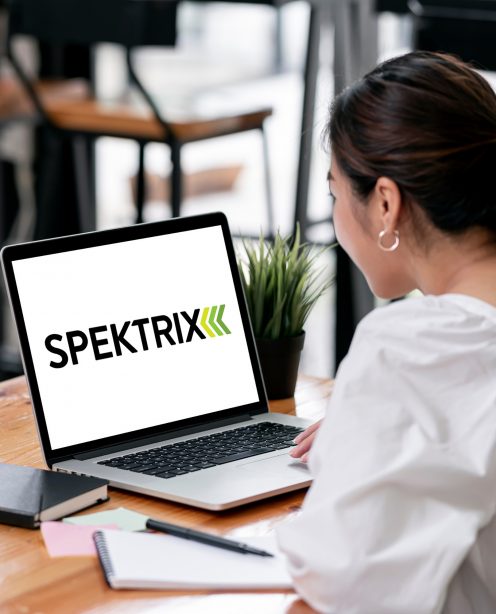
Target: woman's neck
[464, 266]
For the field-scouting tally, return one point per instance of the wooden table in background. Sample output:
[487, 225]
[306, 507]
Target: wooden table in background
[33, 583]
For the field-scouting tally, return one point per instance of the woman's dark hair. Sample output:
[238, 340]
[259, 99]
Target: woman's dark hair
[428, 122]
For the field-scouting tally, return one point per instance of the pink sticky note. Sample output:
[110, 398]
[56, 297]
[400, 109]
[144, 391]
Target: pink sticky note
[63, 539]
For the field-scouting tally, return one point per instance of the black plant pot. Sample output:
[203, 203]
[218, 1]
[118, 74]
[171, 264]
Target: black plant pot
[279, 359]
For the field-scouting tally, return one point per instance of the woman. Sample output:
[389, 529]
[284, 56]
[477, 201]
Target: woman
[400, 517]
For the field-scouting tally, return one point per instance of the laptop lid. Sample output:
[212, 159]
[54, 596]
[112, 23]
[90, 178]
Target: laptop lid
[133, 333]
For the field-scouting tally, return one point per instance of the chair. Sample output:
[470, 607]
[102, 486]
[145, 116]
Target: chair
[14, 108]
[71, 109]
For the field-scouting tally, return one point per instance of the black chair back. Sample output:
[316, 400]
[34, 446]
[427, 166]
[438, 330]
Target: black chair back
[393, 6]
[454, 6]
[435, 7]
[129, 23]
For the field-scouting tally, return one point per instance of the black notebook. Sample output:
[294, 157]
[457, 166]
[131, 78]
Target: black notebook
[29, 496]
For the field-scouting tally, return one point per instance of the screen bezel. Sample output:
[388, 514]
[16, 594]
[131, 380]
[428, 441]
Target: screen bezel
[13, 253]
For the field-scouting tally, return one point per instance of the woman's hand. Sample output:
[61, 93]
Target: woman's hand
[304, 442]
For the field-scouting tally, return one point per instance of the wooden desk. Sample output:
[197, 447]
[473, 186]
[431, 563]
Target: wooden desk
[30, 581]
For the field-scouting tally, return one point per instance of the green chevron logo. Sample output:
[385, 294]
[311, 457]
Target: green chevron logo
[212, 323]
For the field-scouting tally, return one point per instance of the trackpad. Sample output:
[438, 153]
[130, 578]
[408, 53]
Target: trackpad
[276, 465]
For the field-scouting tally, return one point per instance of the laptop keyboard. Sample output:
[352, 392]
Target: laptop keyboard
[208, 451]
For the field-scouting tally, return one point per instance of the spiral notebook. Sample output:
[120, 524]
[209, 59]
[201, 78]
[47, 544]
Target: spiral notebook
[154, 561]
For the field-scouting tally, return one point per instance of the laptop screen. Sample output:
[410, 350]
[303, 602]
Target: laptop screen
[134, 334]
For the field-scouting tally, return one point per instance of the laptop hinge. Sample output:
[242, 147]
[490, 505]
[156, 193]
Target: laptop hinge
[163, 437]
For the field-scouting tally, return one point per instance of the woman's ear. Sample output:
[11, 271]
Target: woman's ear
[387, 204]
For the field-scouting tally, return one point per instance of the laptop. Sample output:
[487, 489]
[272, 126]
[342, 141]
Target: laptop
[142, 366]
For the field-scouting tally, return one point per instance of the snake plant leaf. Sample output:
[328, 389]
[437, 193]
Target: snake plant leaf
[281, 283]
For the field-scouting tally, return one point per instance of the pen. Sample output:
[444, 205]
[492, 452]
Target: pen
[204, 538]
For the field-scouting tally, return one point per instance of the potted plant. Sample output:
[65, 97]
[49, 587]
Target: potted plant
[281, 285]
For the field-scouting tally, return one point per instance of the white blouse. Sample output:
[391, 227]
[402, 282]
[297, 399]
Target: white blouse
[400, 517]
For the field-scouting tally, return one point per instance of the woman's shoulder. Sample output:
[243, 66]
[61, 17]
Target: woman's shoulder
[421, 361]
[431, 330]
[444, 317]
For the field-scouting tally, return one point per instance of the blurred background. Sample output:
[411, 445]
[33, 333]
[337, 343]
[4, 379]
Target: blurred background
[201, 61]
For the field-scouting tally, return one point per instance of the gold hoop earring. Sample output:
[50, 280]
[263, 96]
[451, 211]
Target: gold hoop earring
[392, 247]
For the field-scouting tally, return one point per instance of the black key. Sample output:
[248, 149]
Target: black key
[132, 466]
[165, 475]
[187, 466]
[166, 466]
[191, 468]
[220, 460]
[142, 468]
[205, 465]
[152, 471]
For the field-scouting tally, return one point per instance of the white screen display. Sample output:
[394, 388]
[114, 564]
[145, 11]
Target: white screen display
[134, 334]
